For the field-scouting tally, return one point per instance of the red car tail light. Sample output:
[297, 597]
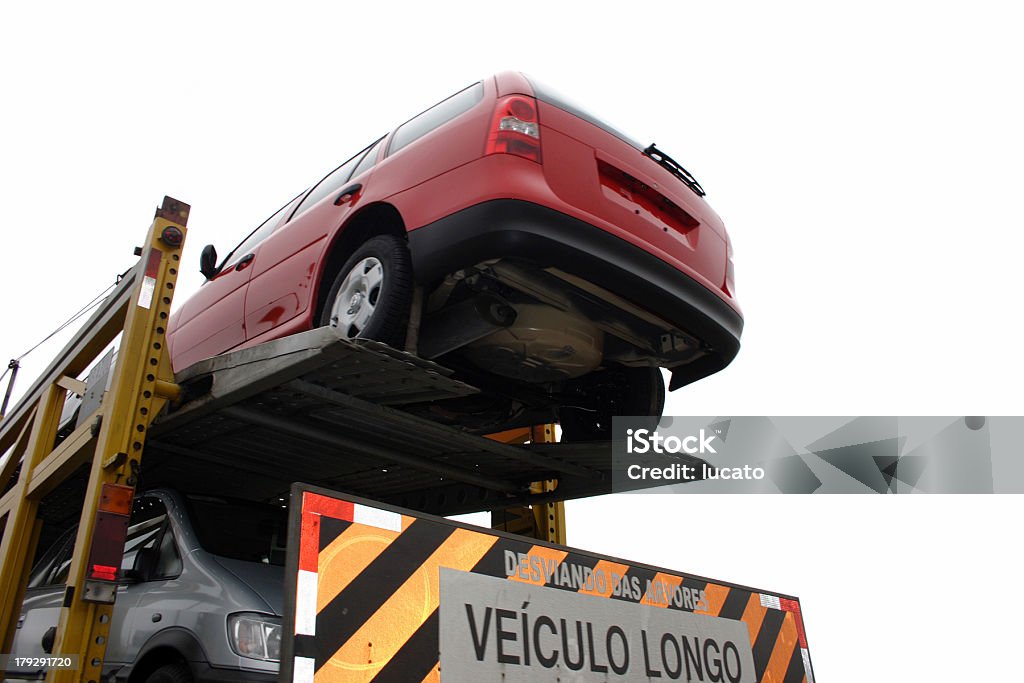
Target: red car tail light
[515, 128]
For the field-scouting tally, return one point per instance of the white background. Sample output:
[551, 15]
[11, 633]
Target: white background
[865, 157]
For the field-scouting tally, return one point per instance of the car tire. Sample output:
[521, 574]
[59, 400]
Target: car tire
[171, 673]
[607, 393]
[371, 294]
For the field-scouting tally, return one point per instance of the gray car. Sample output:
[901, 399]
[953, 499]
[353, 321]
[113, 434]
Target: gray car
[201, 596]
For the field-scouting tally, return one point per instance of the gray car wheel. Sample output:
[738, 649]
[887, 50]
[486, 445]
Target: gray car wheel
[170, 673]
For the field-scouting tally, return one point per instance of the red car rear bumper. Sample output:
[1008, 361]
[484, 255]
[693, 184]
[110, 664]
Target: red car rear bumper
[510, 228]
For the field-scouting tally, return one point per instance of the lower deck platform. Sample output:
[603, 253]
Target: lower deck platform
[326, 410]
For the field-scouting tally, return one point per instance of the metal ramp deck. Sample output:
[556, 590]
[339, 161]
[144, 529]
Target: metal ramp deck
[326, 410]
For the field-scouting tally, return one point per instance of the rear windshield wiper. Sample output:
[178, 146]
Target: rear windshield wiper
[673, 167]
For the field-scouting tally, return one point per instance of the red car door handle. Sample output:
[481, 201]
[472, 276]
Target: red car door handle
[244, 262]
[348, 193]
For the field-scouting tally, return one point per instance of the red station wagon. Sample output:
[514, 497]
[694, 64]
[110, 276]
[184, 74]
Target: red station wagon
[545, 257]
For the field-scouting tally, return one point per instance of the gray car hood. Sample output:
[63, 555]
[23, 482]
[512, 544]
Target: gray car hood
[266, 580]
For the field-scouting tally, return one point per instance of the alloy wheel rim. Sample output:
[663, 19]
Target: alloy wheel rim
[357, 299]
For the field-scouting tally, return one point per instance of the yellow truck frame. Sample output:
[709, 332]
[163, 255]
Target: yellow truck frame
[111, 443]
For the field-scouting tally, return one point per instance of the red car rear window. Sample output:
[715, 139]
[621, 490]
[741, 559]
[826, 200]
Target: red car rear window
[439, 114]
[556, 99]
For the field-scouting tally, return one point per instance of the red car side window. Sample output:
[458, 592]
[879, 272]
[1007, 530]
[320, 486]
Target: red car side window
[258, 235]
[332, 182]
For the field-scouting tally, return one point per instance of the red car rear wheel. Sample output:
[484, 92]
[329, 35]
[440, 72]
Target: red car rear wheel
[370, 296]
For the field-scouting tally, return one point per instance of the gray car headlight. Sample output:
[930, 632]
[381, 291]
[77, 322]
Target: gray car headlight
[255, 635]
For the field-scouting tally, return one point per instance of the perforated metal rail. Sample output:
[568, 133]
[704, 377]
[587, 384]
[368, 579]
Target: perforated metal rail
[100, 459]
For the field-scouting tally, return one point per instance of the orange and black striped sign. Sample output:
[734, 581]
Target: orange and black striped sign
[379, 594]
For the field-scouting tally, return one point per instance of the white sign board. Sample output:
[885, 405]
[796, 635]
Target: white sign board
[494, 629]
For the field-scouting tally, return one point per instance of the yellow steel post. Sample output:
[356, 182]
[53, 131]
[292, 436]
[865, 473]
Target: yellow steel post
[548, 517]
[20, 510]
[544, 521]
[137, 392]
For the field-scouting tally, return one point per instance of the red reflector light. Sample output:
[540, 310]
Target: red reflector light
[515, 128]
[172, 236]
[117, 499]
[107, 543]
[102, 572]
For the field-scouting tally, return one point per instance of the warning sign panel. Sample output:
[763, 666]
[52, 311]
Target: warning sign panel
[381, 594]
